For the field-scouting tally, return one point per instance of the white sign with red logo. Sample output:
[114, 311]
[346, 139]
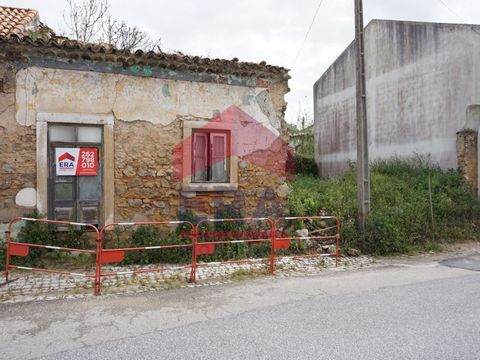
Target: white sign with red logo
[76, 161]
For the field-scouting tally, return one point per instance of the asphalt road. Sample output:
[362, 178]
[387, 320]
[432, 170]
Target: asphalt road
[413, 310]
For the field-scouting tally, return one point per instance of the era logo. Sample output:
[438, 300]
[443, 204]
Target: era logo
[66, 161]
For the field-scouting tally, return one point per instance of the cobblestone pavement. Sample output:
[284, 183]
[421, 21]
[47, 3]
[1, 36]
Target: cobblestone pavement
[30, 286]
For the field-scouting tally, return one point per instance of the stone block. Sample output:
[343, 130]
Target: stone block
[135, 202]
[129, 171]
[159, 204]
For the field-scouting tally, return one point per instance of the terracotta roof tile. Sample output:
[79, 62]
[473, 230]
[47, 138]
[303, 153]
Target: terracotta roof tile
[15, 20]
[61, 47]
[14, 23]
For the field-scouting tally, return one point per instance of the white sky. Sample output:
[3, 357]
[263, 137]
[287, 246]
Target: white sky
[270, 30]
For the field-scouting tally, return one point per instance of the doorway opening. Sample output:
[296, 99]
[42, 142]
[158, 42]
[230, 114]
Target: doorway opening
[75, 174]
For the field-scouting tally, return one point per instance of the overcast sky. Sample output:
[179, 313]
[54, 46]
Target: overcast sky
[270, 30]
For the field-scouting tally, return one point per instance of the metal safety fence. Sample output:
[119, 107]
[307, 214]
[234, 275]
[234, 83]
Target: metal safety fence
[24, 249]
[220, 240]
[323, 230]
[182, 237]
[247, 235]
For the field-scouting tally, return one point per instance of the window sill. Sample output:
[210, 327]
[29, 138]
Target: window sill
[210, 187]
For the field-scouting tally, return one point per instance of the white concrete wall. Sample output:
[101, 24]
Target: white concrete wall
[421, 77]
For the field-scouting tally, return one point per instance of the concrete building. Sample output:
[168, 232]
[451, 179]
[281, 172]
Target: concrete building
[423, 86]
[95, 134]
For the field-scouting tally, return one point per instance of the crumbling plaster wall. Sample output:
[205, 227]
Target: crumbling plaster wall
[132, 98]
[148, 116]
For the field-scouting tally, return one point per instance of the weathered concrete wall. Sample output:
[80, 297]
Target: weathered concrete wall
[17, 149]
[148, 113]
[421, 77]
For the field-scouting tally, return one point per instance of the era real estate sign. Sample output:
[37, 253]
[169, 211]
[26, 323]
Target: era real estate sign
[76, 161]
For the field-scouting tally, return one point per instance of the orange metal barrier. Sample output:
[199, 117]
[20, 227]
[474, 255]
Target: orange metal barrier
[324, 229]
[115, 255]
[206, 240]
[22, 249]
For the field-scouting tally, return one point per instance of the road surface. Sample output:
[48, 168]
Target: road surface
[403, 310]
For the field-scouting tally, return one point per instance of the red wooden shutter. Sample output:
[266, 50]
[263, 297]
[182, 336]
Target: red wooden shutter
[200, 162]
[219, 155]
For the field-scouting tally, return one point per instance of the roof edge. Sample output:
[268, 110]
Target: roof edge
[419, 22]
[376, 21]
[69, 48]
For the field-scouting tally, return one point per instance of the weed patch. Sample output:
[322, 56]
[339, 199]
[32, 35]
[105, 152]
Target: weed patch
[401, 220]
[243, 274]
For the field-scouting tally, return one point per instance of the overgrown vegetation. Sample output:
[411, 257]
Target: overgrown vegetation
[153, 236]
[401, 220]
[208, 232]
[302, 141]
[305, 165]
[47, 234]
[223, 231]
[243, 274]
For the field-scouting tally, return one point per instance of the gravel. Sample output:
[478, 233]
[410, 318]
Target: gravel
[31, 286]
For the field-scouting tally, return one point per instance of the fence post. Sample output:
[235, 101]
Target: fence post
[193, 271]
[7, 255]
[272, 246]
[98, 263]
[337, 221]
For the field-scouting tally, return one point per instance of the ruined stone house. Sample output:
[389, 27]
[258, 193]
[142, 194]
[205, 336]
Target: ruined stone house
[422, 88]
[95, 134]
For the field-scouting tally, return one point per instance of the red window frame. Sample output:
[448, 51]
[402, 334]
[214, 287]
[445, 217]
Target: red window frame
[208, 135]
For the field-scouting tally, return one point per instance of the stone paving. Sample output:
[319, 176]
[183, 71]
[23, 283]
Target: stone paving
[29, 286]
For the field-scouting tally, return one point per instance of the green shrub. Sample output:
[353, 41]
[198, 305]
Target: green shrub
[34, 232]
[48, 234]
[151, 236]
[187, 215]
[400, 219]
[74, 238]
[305, 165]
[225, 231]
[3, 253]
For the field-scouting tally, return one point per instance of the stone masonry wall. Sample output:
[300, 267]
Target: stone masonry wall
[146, 190]
[17, 149]
[143, 171]
[143, 158]
[467, 157]
[260, 193]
